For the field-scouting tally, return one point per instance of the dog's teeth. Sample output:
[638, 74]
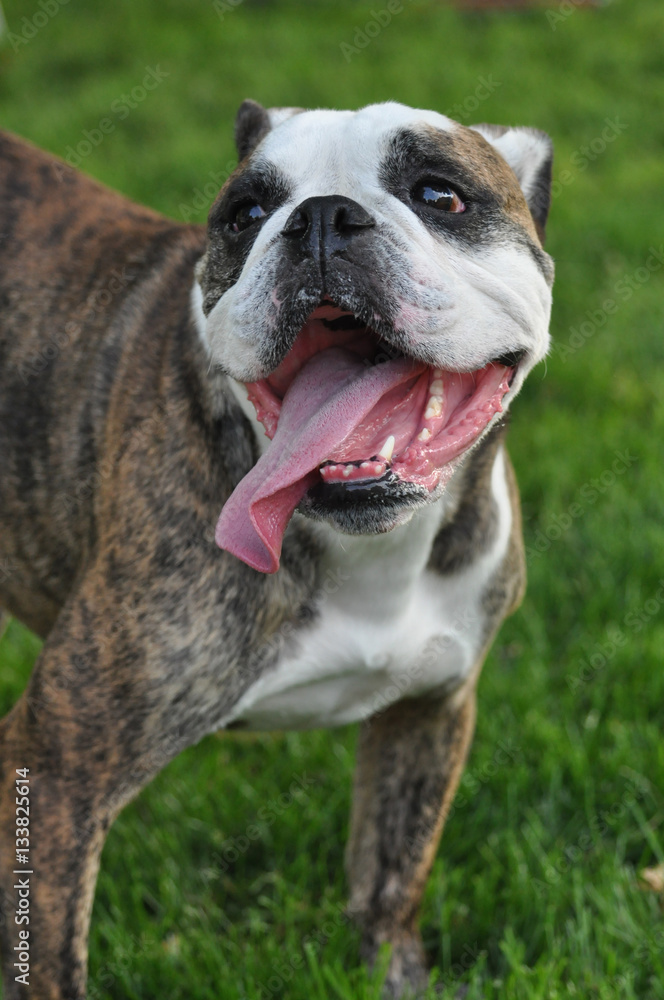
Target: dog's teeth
[347, 470]
[424, 434]
[387, 449]
[434, 408]
[365, 465]
[436, 387]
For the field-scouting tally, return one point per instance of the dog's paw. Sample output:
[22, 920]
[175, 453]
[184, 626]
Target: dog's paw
[407, 974]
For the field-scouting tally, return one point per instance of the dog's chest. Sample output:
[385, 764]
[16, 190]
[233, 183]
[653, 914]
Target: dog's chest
[387, 628]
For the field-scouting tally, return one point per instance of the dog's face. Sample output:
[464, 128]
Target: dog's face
[383, 237]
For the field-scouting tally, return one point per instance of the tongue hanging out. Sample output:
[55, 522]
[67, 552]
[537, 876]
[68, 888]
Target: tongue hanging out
[342, 418]
[323, 406]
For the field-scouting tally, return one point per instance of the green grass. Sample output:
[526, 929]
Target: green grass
[535, 892]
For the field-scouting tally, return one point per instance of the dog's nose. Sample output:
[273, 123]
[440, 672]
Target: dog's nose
[327, 223]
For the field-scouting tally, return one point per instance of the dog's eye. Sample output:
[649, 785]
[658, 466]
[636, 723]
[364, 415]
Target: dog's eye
[246, 215]
[439, 196]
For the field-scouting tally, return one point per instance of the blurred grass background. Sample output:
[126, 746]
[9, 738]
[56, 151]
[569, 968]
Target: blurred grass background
[535, 892]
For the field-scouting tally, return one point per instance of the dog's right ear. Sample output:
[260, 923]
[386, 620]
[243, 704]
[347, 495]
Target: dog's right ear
[253, 122]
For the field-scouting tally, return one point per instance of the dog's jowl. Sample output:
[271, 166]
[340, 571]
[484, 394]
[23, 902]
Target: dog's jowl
[254, 476]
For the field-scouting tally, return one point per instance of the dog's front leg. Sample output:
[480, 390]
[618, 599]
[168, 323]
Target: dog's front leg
[410, 759]
[73, 750]
[47, 867]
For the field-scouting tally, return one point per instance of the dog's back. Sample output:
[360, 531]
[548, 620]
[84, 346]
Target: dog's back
[72, 256]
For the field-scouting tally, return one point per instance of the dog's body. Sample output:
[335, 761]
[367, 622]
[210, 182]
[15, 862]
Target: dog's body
[120, 441]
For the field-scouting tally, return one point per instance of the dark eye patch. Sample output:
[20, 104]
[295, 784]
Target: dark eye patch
[414, 156]
[429, 156]
[247, 199]
[416, 161]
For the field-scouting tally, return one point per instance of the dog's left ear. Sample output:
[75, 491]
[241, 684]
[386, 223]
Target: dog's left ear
[529, 153]
[253, 122]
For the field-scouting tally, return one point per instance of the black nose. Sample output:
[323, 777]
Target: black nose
[326, 224]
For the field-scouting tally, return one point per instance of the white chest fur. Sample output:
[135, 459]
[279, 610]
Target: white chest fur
[387, 627]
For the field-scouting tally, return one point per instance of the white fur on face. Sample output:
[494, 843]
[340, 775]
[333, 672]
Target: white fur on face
[460, 305]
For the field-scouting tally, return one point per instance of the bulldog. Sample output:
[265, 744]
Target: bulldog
[329, 365]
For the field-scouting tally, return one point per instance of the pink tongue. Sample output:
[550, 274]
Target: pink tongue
[325, 403]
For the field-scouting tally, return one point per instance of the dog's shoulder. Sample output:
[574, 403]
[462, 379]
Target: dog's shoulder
[84, 273]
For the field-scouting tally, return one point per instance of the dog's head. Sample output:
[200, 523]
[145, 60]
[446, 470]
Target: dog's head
[377, 281]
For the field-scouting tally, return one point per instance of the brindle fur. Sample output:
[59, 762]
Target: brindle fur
[118, 448]
[410, 760]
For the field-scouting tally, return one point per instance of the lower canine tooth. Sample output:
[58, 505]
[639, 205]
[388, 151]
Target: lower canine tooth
[387, 449]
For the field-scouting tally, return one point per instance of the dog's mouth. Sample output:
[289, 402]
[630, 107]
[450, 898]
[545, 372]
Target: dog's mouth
[345, 409]
[425, 418]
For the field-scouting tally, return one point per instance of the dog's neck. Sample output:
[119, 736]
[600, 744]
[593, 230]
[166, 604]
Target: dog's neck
[378, 572]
